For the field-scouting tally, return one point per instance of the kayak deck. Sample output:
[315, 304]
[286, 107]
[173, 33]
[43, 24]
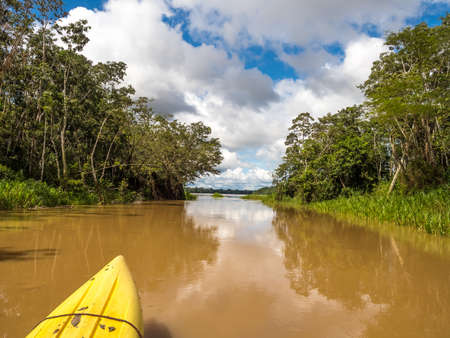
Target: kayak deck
[107, 305]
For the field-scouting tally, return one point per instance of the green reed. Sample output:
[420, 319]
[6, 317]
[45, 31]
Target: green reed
[427, 211]
[264, 198]
[189, 197]
[30, 193]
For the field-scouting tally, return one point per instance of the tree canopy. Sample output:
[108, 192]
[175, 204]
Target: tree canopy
[68, 121]
[402, 131]
[408, 95]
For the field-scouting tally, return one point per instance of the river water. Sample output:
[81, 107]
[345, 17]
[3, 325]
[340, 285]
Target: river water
[228, 268]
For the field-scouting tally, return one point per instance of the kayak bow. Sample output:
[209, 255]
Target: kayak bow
[107, 305]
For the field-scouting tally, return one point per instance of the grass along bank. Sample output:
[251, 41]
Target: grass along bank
[258, 197]
[15, 194]
[427, 211]
[189, 197]
[18, 193]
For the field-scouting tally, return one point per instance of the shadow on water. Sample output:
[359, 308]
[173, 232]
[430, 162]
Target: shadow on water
[155, 329]
[12, 228]
[7, 254]
[168, 204]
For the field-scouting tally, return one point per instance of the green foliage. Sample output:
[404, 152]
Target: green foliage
[264, 191]
[220, 191]
[408, 97]
[338, 153]
[173, 154]
[217, 195]
[9, 174]
[401, 132]
[71, 123]
[80, 194]
[189, 197]
[30, 193]
[266, 198]
[427, 211]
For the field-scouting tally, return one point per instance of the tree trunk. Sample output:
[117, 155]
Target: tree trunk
[44, 148]
[55, 149]
[394, 179]
[94, 174]
[63, 127]
[107, 156]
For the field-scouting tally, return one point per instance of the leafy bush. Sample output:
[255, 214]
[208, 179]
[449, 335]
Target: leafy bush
[189, 197]
[9, 174]
[30, 193]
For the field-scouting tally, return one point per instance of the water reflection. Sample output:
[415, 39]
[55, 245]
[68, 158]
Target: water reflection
[246, 292]
[60, 249]
[226, 268]
[358, 269]
[21, 255]
[234, 218]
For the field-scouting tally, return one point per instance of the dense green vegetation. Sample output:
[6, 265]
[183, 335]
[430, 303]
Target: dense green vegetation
[75, 127]
[217, 195]
[264, 191]
[189, 197]
[253, 197]
[425, 210]
[399, 139]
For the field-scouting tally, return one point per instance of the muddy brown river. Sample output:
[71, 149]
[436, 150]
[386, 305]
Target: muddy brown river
[229, 268]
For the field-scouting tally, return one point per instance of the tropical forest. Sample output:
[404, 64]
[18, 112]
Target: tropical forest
[210, 168]
[73, 132]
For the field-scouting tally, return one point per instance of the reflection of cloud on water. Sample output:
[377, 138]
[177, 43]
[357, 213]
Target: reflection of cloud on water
[232, 217]
[246, 273]
[247, 287]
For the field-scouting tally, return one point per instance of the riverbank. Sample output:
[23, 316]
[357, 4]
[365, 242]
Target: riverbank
[19, 193]
[426, 211]
[26, 194]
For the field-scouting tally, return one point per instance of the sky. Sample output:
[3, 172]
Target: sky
[246, 68]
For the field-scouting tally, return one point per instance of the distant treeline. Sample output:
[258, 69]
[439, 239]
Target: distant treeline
[400, 136]
[72, 123]
[264, 191]
[220, 191]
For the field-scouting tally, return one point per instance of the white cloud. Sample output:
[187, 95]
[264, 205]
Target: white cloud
[161, 64]
[245, 108]
[238, 178]
[300, 21]
[332, 88]
[272, 152]
[231, 160]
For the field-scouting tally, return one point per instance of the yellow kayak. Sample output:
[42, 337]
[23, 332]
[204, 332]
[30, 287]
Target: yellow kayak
[107, 305]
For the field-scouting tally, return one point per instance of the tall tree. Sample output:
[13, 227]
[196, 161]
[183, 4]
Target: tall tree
[333, 155]
[70, 122]
[408, 95]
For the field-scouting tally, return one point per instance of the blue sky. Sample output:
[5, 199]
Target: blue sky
[244, 69]
[264, 57]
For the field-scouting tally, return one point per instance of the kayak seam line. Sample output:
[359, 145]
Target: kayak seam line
[78, 304]
[94, 315]
[106, 303]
